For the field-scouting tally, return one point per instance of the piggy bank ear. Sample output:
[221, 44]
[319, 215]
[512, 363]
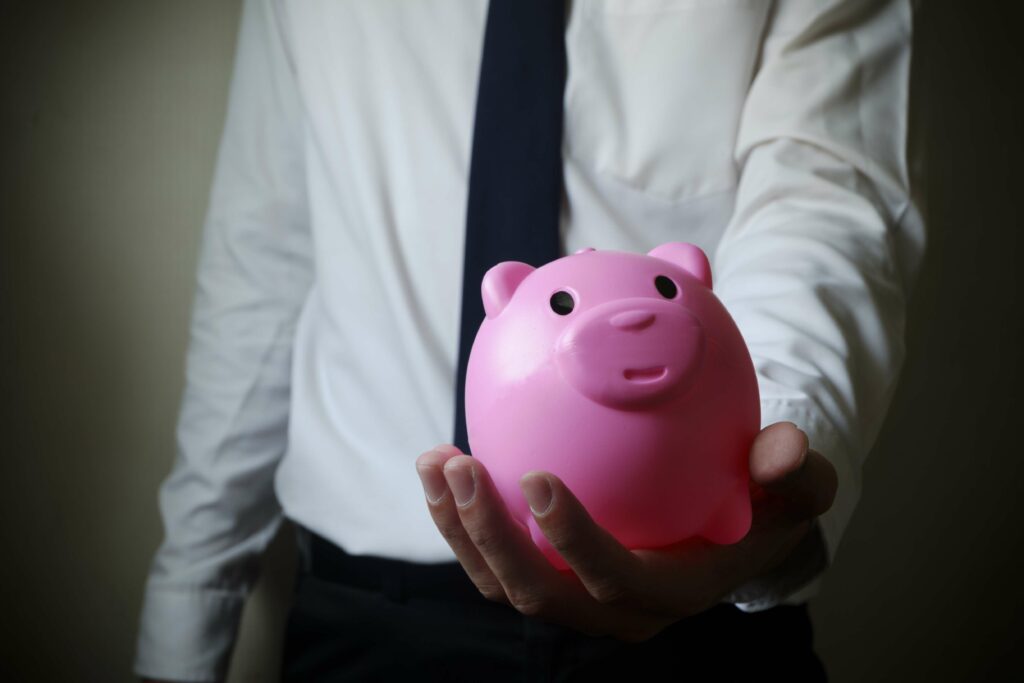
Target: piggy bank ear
[500, 283]
[689, 257]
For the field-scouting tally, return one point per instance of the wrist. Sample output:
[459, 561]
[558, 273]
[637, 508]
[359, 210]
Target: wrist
[805, 562]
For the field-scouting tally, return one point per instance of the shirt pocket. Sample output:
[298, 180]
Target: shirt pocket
[656, 88]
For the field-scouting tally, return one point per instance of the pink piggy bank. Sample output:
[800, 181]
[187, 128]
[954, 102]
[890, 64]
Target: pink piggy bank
[625, 376]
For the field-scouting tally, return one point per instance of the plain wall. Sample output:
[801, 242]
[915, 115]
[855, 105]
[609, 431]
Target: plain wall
[111, 113]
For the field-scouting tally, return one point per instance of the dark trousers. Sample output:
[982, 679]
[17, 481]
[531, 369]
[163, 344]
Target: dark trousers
[374, 619]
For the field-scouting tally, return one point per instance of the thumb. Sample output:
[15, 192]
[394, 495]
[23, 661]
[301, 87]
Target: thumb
[783, 464]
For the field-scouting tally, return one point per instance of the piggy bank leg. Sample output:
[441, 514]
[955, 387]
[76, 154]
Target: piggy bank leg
[731, 521]
[544, 545]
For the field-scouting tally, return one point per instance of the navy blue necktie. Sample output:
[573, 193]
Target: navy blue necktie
[515, 174]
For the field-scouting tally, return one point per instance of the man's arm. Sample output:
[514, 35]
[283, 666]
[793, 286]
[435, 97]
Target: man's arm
[255, 269]
[815, 267]
[825, 243]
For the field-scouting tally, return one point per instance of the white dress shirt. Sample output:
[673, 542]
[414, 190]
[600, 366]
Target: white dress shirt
[324, 330]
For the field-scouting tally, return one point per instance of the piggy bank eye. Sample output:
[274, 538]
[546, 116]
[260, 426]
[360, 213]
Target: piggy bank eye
[665, 286]
[562, 303]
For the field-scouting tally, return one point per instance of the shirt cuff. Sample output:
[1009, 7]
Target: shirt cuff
[186, 634]
[793, 582]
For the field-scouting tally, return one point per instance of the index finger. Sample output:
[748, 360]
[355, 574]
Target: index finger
[533, 585]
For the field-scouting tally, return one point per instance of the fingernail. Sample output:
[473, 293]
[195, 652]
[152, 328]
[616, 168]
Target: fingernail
[537, 490]
[462, 482]
[434, 485]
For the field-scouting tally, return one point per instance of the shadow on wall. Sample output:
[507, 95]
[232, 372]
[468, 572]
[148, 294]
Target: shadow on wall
[925, 583]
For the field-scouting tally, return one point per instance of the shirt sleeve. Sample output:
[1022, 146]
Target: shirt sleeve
[255, 268]
[825, 243]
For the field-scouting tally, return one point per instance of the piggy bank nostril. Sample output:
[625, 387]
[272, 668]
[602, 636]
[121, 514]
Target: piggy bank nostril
[632, 320]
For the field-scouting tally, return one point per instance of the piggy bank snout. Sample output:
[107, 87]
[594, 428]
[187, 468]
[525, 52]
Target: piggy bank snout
[632, 352]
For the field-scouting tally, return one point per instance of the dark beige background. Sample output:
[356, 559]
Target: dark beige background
[111, 112]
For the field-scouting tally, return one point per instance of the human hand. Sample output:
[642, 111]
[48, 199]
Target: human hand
[610, 590]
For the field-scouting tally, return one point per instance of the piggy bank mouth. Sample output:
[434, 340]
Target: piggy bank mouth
[645, 375]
